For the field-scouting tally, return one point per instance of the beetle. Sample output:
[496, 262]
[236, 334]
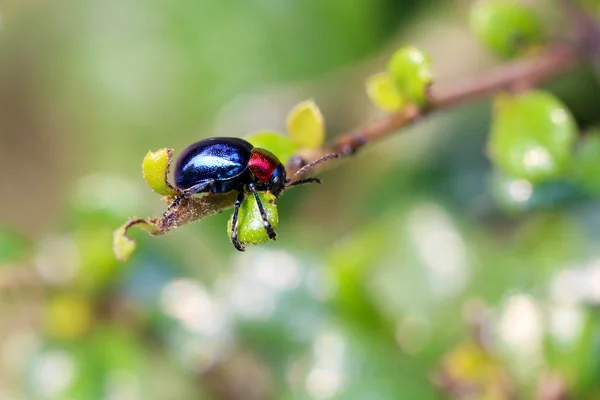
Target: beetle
[225, 164]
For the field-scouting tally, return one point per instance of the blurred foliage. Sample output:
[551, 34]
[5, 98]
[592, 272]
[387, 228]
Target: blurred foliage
[532, 136]
[420, 269]
[410, 70]
[306, 126]
[383, 92]
[507, 27]
[13, 246]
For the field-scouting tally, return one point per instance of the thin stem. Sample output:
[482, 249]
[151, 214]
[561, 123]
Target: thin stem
[528, 72]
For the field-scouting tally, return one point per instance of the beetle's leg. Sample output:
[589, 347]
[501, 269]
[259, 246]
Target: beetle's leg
[176, 202]
[188, 193]
[263, 214]
[197, 188]
[234, 223]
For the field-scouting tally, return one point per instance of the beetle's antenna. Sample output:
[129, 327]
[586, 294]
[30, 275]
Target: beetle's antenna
[312, 164]
[303, 182]
[298, 182]
[306, 168]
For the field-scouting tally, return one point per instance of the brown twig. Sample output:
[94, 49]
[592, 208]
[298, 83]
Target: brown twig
[528, 72]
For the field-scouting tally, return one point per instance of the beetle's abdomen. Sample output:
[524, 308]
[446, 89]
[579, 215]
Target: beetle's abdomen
[216, 159]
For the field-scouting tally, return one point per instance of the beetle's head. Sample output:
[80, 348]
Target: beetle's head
[278, 180]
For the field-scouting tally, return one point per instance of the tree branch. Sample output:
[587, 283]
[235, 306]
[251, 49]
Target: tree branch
[528, 72]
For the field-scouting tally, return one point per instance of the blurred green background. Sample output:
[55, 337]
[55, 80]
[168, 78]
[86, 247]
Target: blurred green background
[414, 272]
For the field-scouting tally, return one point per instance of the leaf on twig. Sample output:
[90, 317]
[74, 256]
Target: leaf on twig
[382, 91]
[410, 70]
[155, 168]
[507, 27]
[306, 125]
[532, 136]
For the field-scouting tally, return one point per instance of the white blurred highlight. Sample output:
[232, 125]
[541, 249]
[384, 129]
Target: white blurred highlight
[441, 248]
[53, 373]
[594, 282]
[570, 291]
[323, 383]
[206, 336]
[57, 259]
[566, 323]
[577, 285]
[568, 287]
[558, 116]
[521, 331]
[190, 303]
[326, 379]
[537, 158]
[260, 277]
[520, 190]
[122, 385]
[198, 353]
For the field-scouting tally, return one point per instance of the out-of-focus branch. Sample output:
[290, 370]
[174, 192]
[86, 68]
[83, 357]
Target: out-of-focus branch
[523, 73]
[585, 27]
[526, 73]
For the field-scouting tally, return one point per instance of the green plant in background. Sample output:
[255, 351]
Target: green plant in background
[509, 28]
[406, 81]
[532, 136]
[441, 277]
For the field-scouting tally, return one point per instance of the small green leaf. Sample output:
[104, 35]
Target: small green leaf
[410, 70]
[506, 27]
[155, 168]
[532, 136]
[123, 245]
[250, 224]
[383, 92]
[306, 126]
[587, 162]
[277, 143]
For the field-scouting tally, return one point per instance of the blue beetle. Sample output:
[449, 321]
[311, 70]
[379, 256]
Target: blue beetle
[224, 164]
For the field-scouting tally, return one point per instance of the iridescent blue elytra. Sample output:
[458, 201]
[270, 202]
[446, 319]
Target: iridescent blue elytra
[220, 160]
